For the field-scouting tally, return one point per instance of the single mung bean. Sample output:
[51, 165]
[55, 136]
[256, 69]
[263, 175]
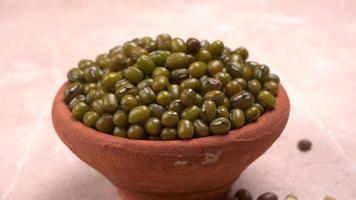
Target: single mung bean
[291, 197]
[226, 103]
[268, 196]
[188, 97]
[176, 106]
[273, 77]
[103, 61]
[252, 64]
[120, 118]
[242, 82]
[105, 124]
[243, 194]
[163, 42]
[139, 114]
[261, 73]
[145, 64]
[220, 126]
[190, 113]
[148, 43]
[232, 58]
[254, 86]
[128, 102]
[204, 44]
[160, 83]
[247, 73]
[327, 197]
[224, 77]
[259, 106]
[199, 99]
[75, 100]
[178, 45]
[90, 118]
[127, 48]
[222, 111]
[232, 87]
[145, 83]
[170, 118]
[201, 129]
[80, 109]
[209, 84]
[192, 83]
[242, 100]
[137, 51]
[118, 61]
[146, 95]
[89, 86]
[120, 132]
[304, 145]
[133, 74]
[97, 106]
[164, 98]
[124, 90]
[235, 69]
[159, 57]
[169, 134]
[121, 83]
[214, 67]
[75, 75]
[191, 59]
[208, 111]
[92, 74]
[216, 48]
[110, 102]
[160, 71]
[215, 95]
[272, 87]
[237, 118]
[85, 63]
[225, 52]
[267, 99]
[185, 129]
[153, 126]
[203, 55]
[136, 132]
[156, 110]
[197, 69]
[193, 45]
[174, 89]
[177, 60]
[242, 52]
[178, 75]
[252, 113]
[72, 91]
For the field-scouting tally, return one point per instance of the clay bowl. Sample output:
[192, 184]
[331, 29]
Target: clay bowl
[203, 168]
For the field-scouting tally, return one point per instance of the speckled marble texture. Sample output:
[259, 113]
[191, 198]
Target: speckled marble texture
[310, 44]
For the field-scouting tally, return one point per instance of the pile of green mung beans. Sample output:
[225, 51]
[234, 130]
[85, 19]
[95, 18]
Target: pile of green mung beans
[167, 89]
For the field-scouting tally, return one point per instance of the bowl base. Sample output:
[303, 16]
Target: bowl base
[219, 194]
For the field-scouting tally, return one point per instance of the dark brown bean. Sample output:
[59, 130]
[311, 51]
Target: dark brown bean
[243, 194]
[268, 196]
[304, 145]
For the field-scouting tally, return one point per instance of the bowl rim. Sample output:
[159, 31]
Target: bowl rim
[249, 132]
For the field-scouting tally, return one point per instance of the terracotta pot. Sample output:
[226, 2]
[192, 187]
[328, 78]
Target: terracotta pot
[203, 168]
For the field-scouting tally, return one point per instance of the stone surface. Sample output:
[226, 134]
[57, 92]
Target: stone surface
[310, 44]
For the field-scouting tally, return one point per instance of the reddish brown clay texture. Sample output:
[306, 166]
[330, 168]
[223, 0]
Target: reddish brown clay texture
[197, 169]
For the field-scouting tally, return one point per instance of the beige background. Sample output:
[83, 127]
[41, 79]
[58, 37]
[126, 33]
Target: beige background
[310, 44]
